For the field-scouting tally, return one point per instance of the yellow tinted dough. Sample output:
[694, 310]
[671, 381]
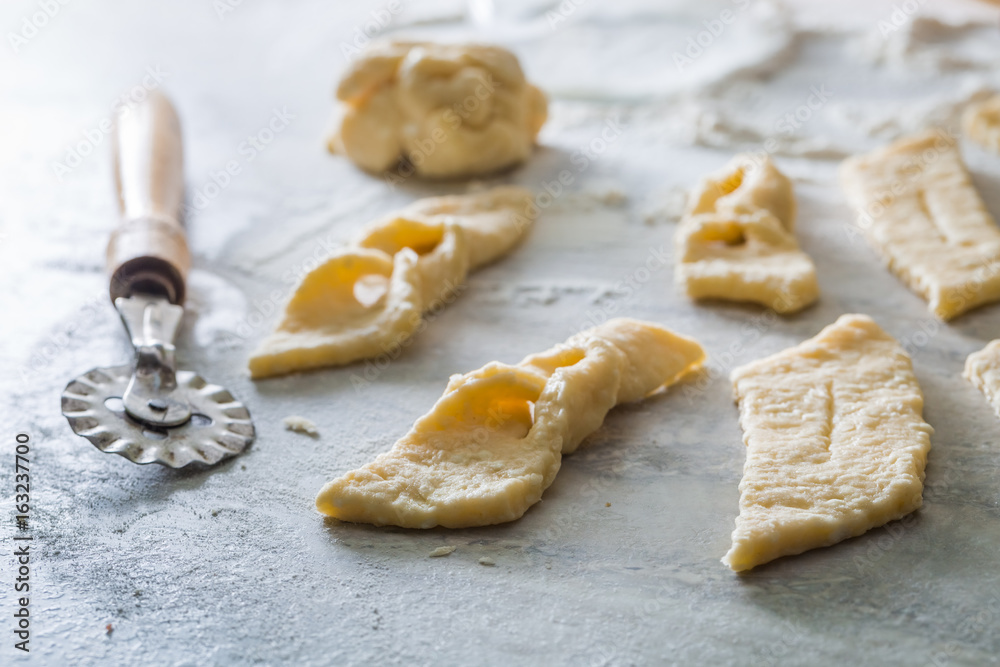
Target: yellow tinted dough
[982, 369]
[919, 209]
[494, 441]
[835, 441]
[450, 110]
[981, 123]
[735, 240]
[368, 298]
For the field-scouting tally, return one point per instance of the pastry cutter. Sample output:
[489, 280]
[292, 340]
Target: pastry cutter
[148, 411]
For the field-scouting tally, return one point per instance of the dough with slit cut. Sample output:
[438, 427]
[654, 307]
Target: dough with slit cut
[836, 443]
[919, 209]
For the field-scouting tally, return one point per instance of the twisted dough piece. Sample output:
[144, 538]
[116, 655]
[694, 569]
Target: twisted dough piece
[735, 241]
[369, 298]
[494, 442]
[449, 110]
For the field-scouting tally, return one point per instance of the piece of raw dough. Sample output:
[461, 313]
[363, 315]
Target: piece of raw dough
[368, 299]
[735, 240]
[835, 439]
[919, 209]
[448, 110]
[981, 123]
[982, 369]
[300, 425]
[494, 441]
[441, 552]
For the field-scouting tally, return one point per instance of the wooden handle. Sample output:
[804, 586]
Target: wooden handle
[148, 251]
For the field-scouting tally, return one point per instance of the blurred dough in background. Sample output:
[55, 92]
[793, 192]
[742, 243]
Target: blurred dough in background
[446, 110]
[981, 123]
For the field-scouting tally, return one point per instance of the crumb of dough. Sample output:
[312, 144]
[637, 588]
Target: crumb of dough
[441, 551]
[607, 504]
[611, 197]
[488, 562]
[300, 425]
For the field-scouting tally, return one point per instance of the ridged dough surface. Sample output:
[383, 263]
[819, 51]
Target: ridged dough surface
[836, 443]
[919, 209]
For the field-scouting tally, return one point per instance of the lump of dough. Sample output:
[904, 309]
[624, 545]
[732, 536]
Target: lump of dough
[448, 110]
[981, 123]
[369, 297]
[836, 442]
[494, 441]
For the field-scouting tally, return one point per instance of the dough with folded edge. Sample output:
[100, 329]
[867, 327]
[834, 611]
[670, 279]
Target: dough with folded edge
[836, 443]
[494, 441]
[369, 297]
[919, 209]
[735, 240]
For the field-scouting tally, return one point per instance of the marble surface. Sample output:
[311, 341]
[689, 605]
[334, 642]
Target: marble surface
[619, 563]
